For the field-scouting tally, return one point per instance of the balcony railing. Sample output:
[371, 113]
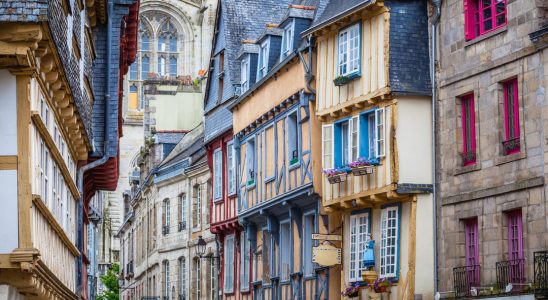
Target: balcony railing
[130, 269]
[541, 274]
[468, 158]
[182, 226]
[182, 297]
[165, 230]
[464, 278]
[511, 272]
[511, 146]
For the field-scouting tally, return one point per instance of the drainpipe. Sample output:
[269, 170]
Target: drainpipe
[435, 21]
[102, 160]
[307, 66]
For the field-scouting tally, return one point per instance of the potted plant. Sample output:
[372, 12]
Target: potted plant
[341, 80]
[381, 285]
[363, 166]
[337, 175]
[351, 290]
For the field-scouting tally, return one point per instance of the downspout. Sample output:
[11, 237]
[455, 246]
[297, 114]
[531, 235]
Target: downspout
[218, 266]
[307, 66]
[99, 162]
[435, 21]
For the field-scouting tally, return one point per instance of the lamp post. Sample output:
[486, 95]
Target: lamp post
[201, 245]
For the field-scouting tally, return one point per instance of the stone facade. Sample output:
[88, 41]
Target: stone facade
[497, 184]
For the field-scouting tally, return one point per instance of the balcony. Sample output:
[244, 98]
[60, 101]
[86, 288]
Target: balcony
[511, 146]
[465, 279]
[182, 226]
[541, 274]
[129, 268]
[165, 230]
[511, 275]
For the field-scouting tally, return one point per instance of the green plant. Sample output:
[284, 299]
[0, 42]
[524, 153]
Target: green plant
[110, 281]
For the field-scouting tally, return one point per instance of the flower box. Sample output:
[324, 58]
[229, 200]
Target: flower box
[338, 178]
[362, 170]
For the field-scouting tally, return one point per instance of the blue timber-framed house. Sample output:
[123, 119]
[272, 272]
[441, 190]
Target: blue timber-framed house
[275, 133]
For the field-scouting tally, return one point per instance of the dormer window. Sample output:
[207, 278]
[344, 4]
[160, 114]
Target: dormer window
[244, 71]
[287, 41]
[263, 60]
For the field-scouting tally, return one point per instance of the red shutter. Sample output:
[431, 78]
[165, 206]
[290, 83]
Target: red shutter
[469, 20]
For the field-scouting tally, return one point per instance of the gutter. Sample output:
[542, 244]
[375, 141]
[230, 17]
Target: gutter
[97, 163]
[435, 21]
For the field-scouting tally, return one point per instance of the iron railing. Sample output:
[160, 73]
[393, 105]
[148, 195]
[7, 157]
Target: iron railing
[182, 226]
[182, 297]
[511, 146]
[511, 271]
[541, 273]
[468, 158]
[464, 278]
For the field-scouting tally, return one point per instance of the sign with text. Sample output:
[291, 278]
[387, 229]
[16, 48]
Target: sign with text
[326, 255]
[326, 237]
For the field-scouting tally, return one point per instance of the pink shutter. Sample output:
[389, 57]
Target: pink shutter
[469, 19]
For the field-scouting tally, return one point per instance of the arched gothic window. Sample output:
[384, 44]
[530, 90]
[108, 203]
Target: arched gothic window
[133, 71]
[173, 66]
[145, 67]
[144, 35]
[167, 38]
[161, 65]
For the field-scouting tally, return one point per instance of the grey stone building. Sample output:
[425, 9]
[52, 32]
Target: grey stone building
[491, 145]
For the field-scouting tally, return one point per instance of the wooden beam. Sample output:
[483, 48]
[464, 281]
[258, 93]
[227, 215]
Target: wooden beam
[8, 162]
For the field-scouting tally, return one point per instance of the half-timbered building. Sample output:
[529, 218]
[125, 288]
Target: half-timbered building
[373, 99]
[59, 124]
[275, 132]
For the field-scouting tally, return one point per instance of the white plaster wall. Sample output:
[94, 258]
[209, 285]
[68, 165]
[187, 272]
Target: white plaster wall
[9, 227]
[8, 114]
[8, 292]
[414, 140]
[424, 280]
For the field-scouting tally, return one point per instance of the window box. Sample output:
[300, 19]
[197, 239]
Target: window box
[362, 170]
[511, 146]
[363, 166]
[345, 79]
[337, 178]
[251, 182]
[337, 175]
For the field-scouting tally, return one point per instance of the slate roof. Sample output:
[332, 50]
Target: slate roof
[23, 11]
[169, 137]
[336, 9]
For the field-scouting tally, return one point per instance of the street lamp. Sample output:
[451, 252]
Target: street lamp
[201, 246]
[201, 250]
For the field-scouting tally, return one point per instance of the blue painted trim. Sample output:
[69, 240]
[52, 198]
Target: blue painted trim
[398, 205]
[364, 132]
[337, 142]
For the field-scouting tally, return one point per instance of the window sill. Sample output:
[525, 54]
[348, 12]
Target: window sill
[250, 186]
[309, 277]
[269, 179]
[485, 36]
[510, 158]
[294, 166]
[341, 80]
[246, 290]
[219, 200]
[285, 282]
[466, 169]
[258, 282]
[232, 195]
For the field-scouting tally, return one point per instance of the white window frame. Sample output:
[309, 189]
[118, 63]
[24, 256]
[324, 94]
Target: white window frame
[285, 250]
[182, 277]
[359, 235]
[244, 73]
[184, 209]
[217, 174]
[228, 281]
[198, 200]
[198, 282]
[287, 39]
[231, 168]
[380, 132]
[168, 214]
[328, 152]
[262, 65]
[354, 131]
[346, 52]
[212, 282]
[389, 270]
[244, 262]
[167, 282]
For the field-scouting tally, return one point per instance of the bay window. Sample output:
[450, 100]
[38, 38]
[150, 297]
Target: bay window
[359, 236]
[389, 248]
[349, 44]
[217, 174]
[483, 16]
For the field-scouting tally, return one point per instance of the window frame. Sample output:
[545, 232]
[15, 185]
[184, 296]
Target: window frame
[383, 247]
[474, 21]
[229, 261]
[287, 41]
[144, 75]
[296, 139]
[308, 261]
[471, 246]
[380, 151]
[514, 120]
[356, 247]
[262, 63]
[468, 124]
[217, 174]
[348, 30]
[231, 167]
[245, 262]
[251, 161]
[286, 250]
[324, 145]
[515, 238]
[173, 64]
[244, 73]
[182, 277]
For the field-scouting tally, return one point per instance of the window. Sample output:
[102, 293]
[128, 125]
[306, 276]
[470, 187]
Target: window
[511, 117]
[244, 72]
[287, 40]
[197, 279]
[379, 133]
[515, 247]
[132, 101]
[166, 216]
[346, 141]
[308, 230]
[212, 282]
[483, 16]
[173, 66]
[468, 130]
[133, 71]
[359, 235]
[173, 44]
[161, 66]
[472, 250]
[250, 161]
[231, 166]
[145, 37]
[267, 240]
[263, 60]
[182, 212]
[327, 146]
[389, 241]
[196, 206]
[285, 251]
[167, 282]
[229, 264]
[217, 174]
[244, 262]
[349, 50]
[145, 67]
[293, 138]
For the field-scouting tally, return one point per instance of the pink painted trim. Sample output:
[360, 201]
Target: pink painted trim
[515, 235]
[470, 100]
[511, 83]
[472, 250]
[474, 17]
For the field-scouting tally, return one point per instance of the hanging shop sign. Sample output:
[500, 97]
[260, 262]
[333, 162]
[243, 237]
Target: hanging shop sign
[326, 237]
[326, 255]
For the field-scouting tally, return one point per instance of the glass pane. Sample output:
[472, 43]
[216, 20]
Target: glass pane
[485, 3]
[500, 6]
[501, 19]
[487, 25]
[487, 13]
